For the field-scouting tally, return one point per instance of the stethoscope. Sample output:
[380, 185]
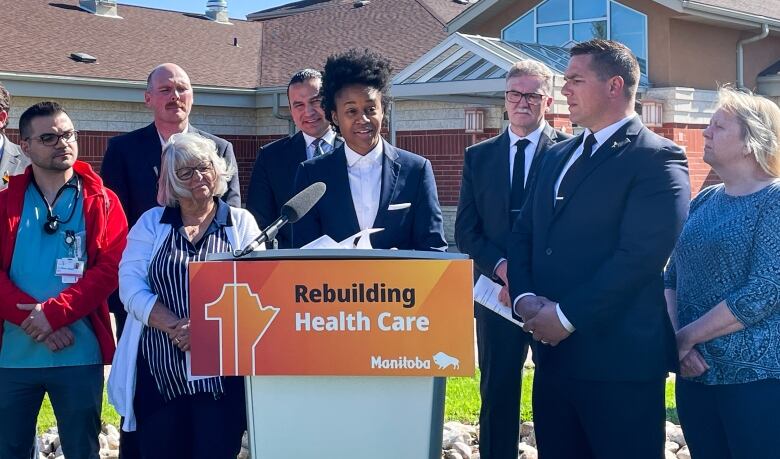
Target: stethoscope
[52, 224]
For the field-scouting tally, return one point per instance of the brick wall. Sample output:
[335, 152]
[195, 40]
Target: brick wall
[689, 136]
[92, 146]
[443, 147]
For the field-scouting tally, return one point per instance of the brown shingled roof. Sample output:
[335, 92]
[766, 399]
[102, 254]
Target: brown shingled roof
[40, 35]
[766, 8]
[402, 30]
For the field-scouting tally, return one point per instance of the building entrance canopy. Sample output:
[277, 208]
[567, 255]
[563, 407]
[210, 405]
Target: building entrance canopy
[471, 69]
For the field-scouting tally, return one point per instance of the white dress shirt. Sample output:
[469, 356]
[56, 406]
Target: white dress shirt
[601, 136]
[329, 137]
[162, 141]
[365, 183]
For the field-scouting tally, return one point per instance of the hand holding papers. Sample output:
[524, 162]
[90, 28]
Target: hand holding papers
[486, 293]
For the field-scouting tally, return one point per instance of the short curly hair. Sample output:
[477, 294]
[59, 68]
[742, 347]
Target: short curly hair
[361, 67]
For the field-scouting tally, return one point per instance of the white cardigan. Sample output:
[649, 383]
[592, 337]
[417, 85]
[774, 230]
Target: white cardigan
[143, 242]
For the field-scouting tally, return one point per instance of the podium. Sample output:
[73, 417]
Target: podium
[345, 351]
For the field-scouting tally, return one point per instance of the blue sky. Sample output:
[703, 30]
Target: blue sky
[236, 8]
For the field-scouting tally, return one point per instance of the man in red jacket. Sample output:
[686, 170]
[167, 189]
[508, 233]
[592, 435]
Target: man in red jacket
[62, 234]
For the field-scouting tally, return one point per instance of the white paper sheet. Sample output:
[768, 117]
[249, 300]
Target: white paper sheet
[359, 240]
[486, 293]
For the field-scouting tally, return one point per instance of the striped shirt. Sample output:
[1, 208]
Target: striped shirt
[169, 280]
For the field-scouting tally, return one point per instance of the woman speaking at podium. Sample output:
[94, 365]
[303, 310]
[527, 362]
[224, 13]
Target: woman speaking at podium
[175, 415]
[370, 183]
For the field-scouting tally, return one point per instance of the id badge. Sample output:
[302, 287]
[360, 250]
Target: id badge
[70, 269]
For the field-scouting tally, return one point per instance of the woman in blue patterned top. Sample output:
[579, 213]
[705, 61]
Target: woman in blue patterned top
[723, 288]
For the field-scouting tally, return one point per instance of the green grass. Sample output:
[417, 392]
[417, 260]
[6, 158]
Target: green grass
[46, 417]
[462, 403]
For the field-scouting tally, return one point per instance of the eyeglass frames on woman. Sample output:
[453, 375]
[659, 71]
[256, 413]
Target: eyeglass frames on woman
[186, 173]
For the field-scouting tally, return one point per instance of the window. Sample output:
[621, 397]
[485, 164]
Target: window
[560, 22]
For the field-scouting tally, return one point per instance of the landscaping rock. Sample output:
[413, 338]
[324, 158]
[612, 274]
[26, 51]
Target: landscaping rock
[669, 455]
[674, 433]
[452, 454]
[454, 432]
[527, 451]
[463, 449]
[683, 453]
[526, 429]
[672, 446]
[530, 438]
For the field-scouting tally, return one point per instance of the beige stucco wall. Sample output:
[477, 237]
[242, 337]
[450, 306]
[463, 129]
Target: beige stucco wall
[414, 115]
[705, 56]
[89, 115]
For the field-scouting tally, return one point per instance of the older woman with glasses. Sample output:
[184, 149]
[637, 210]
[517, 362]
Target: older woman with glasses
[174, 415]
[723, 288]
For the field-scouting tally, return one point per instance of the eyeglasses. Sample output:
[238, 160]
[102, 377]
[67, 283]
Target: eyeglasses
[51, 140]
[531, 97]
[186, 173]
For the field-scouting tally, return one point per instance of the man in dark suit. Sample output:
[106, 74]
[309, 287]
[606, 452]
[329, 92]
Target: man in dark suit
[496, 175]
[273, 175]
[408, 211]
[131, 166]
[585, 264]
[132, 161]
[12, 161]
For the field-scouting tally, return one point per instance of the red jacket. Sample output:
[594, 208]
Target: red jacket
[106, 228]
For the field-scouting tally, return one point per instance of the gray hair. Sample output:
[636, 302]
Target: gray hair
[188, 149]
[760, 121]
[533, 68]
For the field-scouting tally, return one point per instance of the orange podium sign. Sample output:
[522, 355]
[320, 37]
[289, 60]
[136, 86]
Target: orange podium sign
[332, 317]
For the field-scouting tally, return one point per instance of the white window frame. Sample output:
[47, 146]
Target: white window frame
[571, 22]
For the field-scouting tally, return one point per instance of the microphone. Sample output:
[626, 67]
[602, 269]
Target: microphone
[292, 211]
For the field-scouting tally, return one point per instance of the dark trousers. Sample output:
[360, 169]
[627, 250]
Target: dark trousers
[576, 419]
[76, 395]
[730, 421]
[193, 426]
[502, 347]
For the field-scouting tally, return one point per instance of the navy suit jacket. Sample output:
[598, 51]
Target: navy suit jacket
[600, 254]
[483, 222]
[406, 178]
[13, 161]
[273, 182]
[131, 167]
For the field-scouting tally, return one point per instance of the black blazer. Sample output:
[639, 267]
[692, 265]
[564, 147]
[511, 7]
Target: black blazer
[13, 161]
[482, 224]
[131, 167]
[273, 181]
[600, 253]
[406, 178]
